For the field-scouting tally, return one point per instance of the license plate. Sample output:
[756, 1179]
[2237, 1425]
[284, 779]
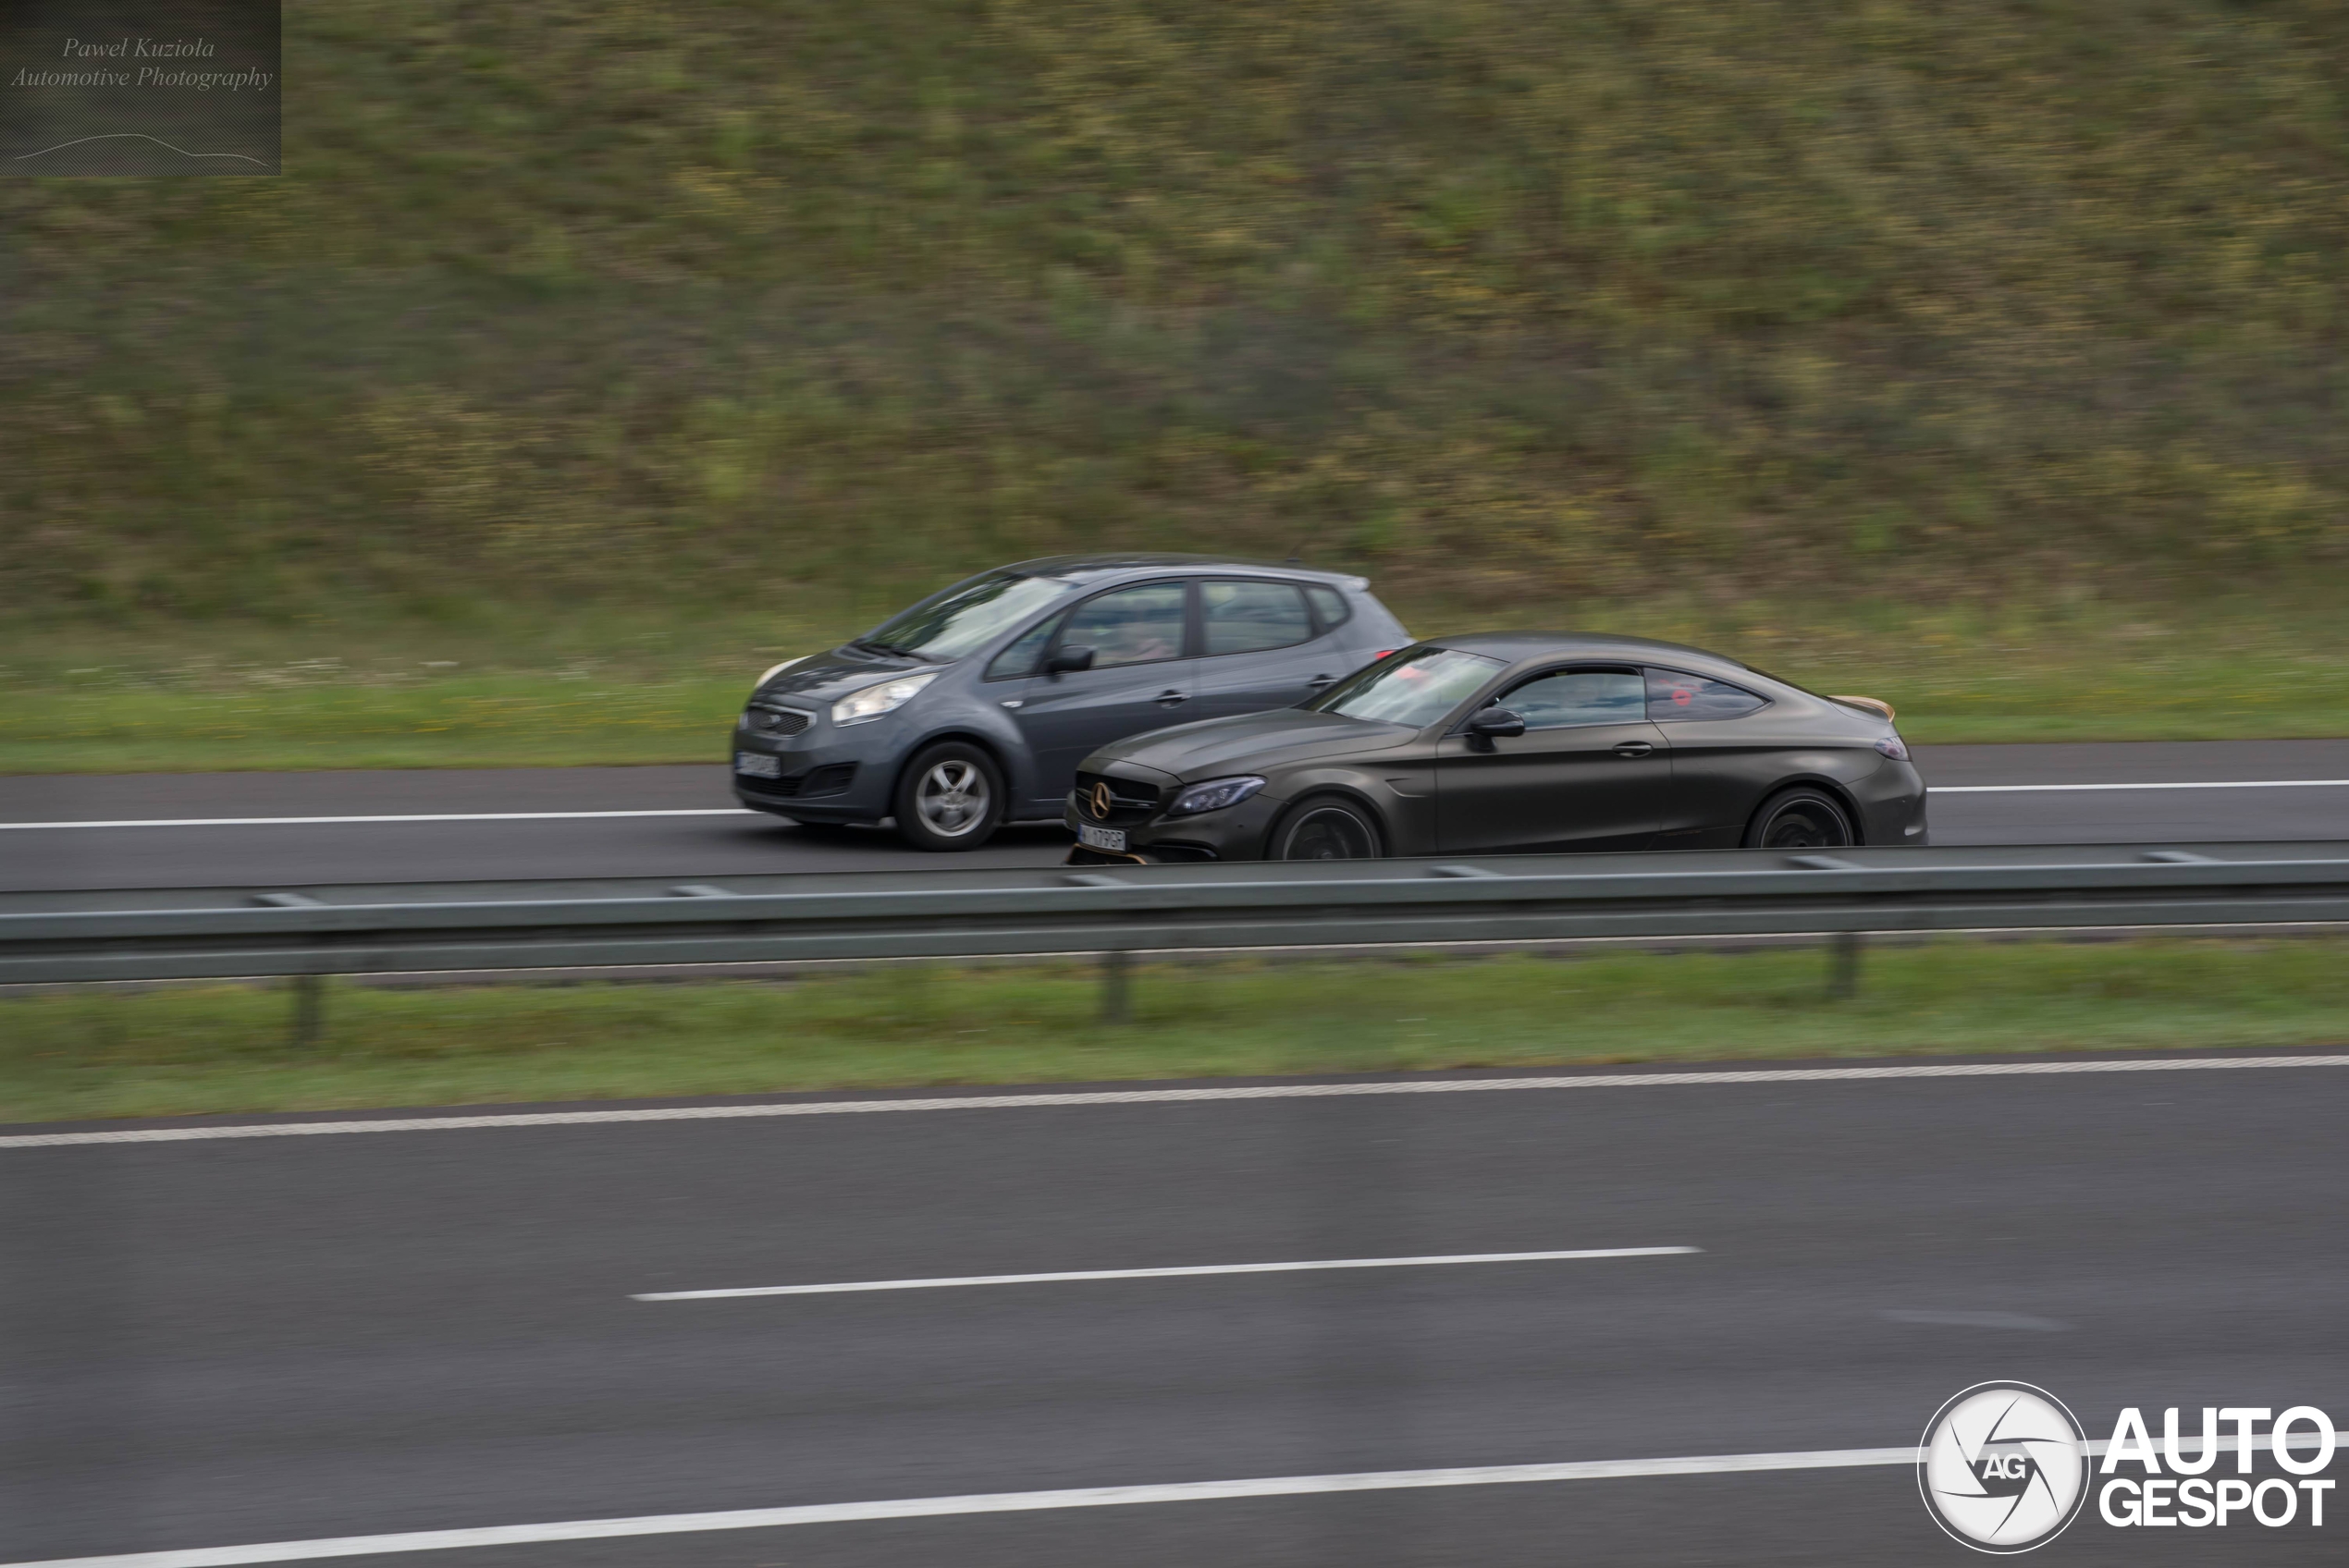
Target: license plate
[1101, 838]
[758, 765]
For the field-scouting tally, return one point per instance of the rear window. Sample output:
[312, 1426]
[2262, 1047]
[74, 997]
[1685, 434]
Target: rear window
[1677, 696]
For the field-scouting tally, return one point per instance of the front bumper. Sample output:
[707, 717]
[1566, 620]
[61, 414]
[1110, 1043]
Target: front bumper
[827, 774]
[1235, 833]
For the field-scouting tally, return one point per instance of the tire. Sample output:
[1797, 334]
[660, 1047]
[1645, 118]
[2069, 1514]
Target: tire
[1804, 817]
[1327, 827]
[950, 797]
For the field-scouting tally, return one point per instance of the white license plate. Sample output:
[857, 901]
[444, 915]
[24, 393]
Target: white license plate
[757, 764]
[1101, 838]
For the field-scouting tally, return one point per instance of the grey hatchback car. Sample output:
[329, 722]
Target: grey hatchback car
[974, 708]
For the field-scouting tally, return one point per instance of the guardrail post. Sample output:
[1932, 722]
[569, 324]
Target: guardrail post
[1843, 967]
[1117, 987]
[309, 1009]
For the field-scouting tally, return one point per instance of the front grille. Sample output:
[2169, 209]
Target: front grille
[1129, 801]
[778, 721]
[828, 779]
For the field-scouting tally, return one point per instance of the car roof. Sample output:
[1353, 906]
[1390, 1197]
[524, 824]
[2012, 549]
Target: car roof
[1080, 568]
[1513, 646]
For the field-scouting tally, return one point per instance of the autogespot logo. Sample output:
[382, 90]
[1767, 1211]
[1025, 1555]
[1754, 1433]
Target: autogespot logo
[2003, 1467]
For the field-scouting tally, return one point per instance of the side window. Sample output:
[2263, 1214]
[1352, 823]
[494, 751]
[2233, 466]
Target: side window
[1020, 657]
[1579, 696]
[1672, 696]
[1329, 606]
[1136, 625]
[1246, 618]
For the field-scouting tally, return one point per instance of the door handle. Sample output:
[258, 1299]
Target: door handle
[1169, 697]
[1633, 748]
[1321, 682]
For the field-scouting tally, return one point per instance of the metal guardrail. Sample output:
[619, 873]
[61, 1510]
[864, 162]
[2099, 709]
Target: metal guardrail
[411, 927]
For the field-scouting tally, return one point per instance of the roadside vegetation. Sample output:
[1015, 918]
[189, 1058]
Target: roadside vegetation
[544, 691]
[227, 1048]
[709, 323]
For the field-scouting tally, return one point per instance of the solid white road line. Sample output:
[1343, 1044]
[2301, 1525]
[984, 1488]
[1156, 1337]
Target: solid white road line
[742, 811]
[2209, 784]
[986, 1503]
[329, 821]
[1160, 1097]
[1024, 1503]
[1160, 1273]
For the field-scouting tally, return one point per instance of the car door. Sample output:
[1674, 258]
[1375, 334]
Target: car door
[1141, 679]
[1589, 773]
[1727, 752]
[1260, 647]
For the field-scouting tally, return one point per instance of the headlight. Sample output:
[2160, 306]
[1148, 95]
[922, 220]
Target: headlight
[778, 669]
[875, 701]
[1214, 795]
[1893, 747]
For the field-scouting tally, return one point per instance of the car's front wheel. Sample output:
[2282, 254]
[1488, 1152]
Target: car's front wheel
[1327, 827]
[1801, 818]
[950, 797]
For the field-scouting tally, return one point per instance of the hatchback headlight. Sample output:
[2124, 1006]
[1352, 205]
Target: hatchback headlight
[1214, 795]
[874, 700]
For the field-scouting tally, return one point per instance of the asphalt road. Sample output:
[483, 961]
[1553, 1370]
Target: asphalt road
[286, 1339]
[2050, 808]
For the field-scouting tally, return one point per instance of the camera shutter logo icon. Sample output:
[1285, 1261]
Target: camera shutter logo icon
[2003, 1467]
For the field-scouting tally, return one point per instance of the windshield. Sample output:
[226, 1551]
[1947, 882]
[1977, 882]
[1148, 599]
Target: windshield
[1416, 689]
[964, 618]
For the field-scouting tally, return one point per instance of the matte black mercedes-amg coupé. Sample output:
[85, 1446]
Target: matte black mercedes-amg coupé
[1502, 742]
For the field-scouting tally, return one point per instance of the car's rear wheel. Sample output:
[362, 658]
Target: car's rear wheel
[1327, 827]
[1801, 818]
[950, 797]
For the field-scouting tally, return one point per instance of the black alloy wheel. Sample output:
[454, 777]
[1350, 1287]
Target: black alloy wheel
[1327, 828]
[1801, 818]
[950, 797]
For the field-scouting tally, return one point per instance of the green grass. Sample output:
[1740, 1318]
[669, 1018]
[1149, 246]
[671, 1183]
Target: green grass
[226, 1048]
[505, 719]
[602, 309]
[543, 691]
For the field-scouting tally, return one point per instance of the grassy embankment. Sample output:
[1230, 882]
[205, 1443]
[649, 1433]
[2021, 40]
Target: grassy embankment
[1958, 352]
[226, 1048]
[649, 693]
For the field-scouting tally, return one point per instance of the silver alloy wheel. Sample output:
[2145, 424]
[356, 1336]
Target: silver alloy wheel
[952, 798]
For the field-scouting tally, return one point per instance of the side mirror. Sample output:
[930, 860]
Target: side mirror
[1068, 659]
[1496, 724]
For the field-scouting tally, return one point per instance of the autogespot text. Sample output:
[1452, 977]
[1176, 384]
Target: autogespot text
[2175, 1491]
